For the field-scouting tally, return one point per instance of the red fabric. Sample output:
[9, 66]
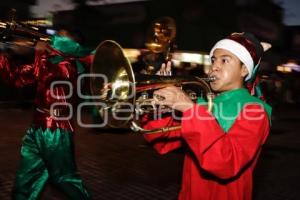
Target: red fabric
[163, 142]
[247, 44]
[217, 165]
[43, 73]
[88, 60]
[251, 86]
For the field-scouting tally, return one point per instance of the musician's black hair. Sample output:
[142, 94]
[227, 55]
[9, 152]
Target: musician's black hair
[74, 32]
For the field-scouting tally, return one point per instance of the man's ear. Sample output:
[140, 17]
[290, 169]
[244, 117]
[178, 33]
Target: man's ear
[244, 71]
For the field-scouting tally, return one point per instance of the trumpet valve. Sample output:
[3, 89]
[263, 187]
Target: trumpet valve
[158, 97]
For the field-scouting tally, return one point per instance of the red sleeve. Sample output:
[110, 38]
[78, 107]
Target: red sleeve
[225, 154]
[16, 75]
[64, 69]
[163, 142]
[87, 60]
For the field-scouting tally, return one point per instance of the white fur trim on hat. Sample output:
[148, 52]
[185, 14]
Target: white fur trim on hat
[238, 50]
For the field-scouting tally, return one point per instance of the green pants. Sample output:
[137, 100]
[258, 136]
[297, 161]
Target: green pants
[48, 155]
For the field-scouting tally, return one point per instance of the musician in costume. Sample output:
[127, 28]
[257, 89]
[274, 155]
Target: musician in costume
[47, 152]
[222, 146]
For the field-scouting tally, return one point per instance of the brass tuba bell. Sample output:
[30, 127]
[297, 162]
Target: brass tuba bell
[161, 34]
[125, 97]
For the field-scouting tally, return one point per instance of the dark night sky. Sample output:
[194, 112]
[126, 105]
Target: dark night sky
[291, 11]
[43, 7]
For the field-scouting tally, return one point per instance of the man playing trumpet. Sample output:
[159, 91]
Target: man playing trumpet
[222, 146]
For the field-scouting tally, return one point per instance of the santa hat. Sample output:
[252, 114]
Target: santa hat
[245, 46]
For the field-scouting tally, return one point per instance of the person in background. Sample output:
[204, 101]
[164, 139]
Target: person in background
[222, 145]
[47, 152]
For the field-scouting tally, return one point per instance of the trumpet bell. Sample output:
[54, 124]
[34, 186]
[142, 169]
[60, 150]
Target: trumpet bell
[112, 83]
[122, 97]
[161, 33]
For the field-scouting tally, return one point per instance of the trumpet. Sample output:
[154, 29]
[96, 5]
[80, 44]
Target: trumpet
[124, 96]
[20, 37]
[24, 33]
[15, 30]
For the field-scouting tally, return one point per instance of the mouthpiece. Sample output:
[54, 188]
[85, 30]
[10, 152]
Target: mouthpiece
[211, 78]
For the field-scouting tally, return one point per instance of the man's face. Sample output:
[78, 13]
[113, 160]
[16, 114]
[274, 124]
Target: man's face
[228, 70]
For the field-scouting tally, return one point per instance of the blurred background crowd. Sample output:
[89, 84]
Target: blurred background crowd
[199, 24]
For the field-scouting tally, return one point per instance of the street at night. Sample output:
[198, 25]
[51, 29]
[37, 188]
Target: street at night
[76, 74]
[118, 164]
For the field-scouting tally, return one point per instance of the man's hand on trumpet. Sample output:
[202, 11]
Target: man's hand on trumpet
[173, 97]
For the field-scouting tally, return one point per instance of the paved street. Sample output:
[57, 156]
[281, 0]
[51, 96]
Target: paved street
[118, 164]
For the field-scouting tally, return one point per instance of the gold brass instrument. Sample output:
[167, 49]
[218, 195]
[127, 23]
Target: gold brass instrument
[40, 22]
[22, 32]
[19, 31]
[159, 43]
[160, 36]
[18, 38]
[124, 96]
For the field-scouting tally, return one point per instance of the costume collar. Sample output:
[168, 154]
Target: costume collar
[228, 105]
[68, 46]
